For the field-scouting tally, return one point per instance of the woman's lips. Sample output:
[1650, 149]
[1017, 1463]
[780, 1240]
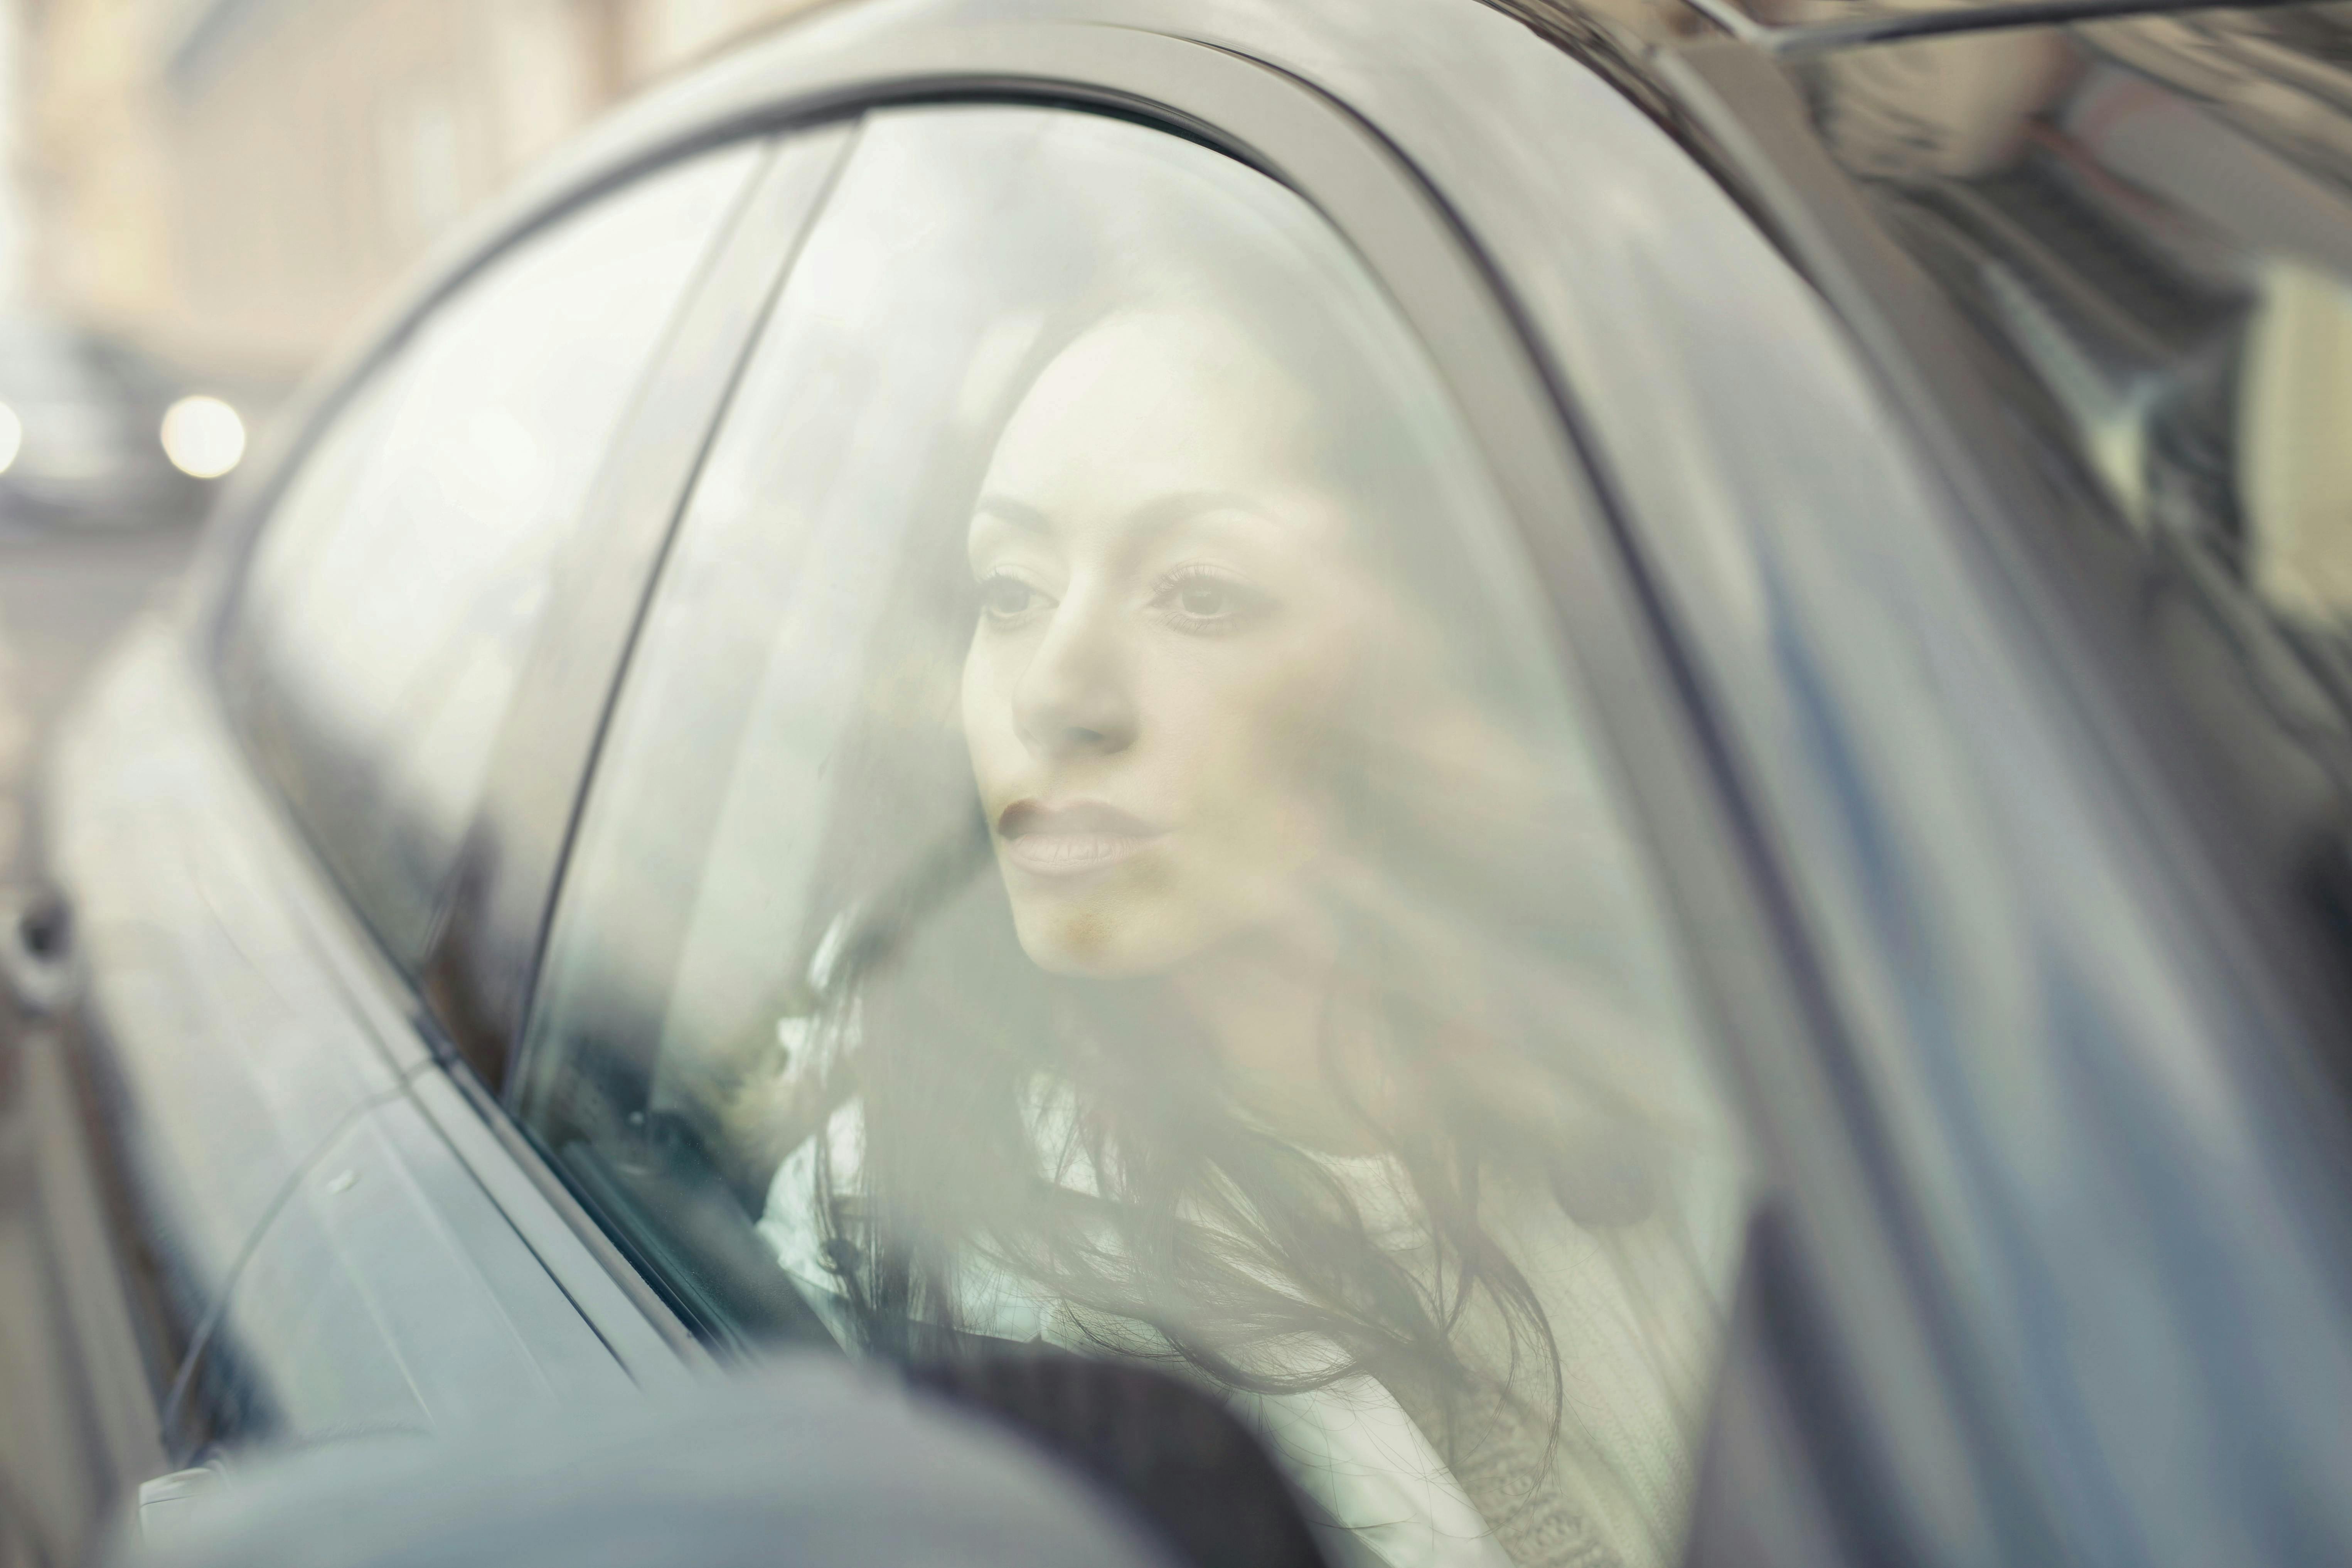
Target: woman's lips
[1070, 839]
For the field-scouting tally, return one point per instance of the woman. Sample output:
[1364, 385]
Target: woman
[1245, 1030]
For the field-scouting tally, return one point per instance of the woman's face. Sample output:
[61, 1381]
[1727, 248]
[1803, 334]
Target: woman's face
[1172, 631]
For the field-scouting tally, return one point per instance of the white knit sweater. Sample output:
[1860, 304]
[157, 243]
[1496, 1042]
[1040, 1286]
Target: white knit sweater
[1636, 1311]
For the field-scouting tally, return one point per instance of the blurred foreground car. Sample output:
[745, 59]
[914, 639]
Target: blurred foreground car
[92, 431]
[1601, 755]
[811, 1464]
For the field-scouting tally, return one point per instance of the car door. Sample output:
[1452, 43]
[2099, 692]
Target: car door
[257, 814]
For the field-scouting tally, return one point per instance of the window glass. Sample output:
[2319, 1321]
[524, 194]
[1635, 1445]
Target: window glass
[1096, 846]
[399, 582]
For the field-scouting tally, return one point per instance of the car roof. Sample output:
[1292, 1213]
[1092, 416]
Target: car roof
[822, 62]
[1376, 59]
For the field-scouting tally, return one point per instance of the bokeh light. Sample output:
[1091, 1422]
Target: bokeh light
[203, 436]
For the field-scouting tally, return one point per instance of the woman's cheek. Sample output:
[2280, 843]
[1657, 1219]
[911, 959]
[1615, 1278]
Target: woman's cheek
[1306, 713]
[1299, 696]
[1255, 747]
[987, 717]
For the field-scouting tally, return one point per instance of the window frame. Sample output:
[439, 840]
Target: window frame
[1733, 929]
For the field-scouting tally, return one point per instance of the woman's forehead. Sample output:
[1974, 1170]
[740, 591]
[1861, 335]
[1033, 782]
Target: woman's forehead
[1148, 403]
[1287, 517]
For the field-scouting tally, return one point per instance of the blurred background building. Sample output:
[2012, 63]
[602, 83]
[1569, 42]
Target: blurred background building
[233, 183]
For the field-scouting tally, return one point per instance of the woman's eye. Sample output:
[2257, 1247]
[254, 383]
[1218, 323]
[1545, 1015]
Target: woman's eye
[1205, 599]
[1198, 600]
[1005, 599]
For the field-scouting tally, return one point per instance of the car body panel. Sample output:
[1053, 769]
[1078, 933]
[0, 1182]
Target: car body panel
[390, 1293]
[80, 1388]
[289, 1312]
[226, 1055]
[637, 1332]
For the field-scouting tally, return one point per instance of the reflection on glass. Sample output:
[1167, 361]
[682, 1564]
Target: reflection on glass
[403, 570]
[1095, 848]
[2145, 223]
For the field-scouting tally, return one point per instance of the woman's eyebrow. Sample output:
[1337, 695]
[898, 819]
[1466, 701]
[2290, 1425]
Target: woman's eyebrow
[1159, 515]
[1142, 525]
[1005, 509]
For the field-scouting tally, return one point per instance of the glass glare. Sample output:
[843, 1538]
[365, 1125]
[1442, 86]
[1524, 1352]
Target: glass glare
[402, 576]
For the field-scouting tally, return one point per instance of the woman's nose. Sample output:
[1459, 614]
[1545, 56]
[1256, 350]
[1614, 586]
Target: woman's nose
[1073, 698]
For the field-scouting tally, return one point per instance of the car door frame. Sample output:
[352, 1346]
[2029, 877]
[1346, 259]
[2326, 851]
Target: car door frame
[1736, 920]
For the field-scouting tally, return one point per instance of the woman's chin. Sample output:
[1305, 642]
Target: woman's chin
[1095, 940]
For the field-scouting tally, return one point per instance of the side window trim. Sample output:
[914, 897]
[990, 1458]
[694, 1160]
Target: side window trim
[478, 971]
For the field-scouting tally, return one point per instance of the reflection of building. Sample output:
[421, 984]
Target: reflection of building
[237, 181]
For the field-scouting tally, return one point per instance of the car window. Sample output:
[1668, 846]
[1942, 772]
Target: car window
[1097, 845]
[397, 584]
